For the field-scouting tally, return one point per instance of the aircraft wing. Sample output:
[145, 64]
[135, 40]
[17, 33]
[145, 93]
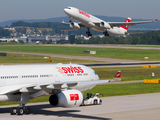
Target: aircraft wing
[56, 85]
[118, 24]
[33, 87]
[80, 24]
[94, 82]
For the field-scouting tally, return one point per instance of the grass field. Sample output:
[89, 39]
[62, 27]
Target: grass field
[128, 73]
[18, 58]
[125, 89]
[123, 45]
[133, 54]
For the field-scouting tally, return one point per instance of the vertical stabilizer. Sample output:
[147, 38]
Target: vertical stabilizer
[118, 76]
[127, 20]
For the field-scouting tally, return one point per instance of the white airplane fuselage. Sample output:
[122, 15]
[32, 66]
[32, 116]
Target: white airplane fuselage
[88, 20]
[14, 78]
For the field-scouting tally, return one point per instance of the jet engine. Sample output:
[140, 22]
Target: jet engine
[75, 26]
[67, 98]
[105, 25]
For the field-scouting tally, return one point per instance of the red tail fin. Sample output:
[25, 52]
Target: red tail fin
[118, 76]
[127, 20]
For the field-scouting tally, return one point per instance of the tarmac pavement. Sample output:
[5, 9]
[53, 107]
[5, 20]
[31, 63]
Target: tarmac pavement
[128, 107]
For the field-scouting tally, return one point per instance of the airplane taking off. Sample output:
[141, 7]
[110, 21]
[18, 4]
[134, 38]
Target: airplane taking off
[65, 84]
[91, 22]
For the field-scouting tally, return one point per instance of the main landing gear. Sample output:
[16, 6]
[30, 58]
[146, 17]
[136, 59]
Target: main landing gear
[105, 33]
[88, 33]
[21, 109]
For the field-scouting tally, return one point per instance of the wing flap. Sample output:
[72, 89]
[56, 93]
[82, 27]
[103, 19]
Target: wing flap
[34, 87]
[61, 85]
[94, 82]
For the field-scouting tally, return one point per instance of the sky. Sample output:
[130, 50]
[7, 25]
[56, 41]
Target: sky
[43, 9]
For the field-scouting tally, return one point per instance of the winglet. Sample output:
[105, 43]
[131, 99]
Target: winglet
[155, 20]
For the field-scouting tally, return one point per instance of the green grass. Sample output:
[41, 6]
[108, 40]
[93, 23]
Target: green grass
[128, 73]
[125, 89]
[134, 54]
[18, 58]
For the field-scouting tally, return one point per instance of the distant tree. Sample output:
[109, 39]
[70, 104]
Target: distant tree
[48, 42]
[43, 41]
[4, 33]
[44, 32]
[21, 41]
[72, 39]
[13, 41]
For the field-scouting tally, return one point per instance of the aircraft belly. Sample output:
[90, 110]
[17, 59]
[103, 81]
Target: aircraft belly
[87, 22]
[115, 32]
[98, 29]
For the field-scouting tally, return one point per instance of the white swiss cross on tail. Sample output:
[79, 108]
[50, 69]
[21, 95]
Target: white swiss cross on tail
[127, 20]
[118, 76]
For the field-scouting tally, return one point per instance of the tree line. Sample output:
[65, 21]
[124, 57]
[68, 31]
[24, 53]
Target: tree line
[150, 38]
[4, 33]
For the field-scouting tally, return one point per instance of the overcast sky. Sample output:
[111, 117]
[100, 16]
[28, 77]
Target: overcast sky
[42, 9]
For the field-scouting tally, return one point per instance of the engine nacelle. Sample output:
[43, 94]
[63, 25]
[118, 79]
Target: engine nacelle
[67, 98]
[75, 26]
[105, 25]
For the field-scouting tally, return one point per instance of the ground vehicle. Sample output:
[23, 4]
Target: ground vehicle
[92, 99]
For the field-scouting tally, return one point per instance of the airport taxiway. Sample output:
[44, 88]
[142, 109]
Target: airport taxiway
[128, 107]
[111, 62]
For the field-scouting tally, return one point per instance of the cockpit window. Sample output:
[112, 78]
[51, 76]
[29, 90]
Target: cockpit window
[68, 8]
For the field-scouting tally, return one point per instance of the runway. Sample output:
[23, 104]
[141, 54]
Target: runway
[128, 107]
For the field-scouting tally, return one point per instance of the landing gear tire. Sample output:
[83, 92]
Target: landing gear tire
[100, 101]
[13, 111]
[88, 34]
[27, 110]
[106, 33]
[82, 104]
[20, 111]
[95, 102]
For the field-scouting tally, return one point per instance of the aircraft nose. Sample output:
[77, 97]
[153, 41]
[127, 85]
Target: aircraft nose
[65, 10]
